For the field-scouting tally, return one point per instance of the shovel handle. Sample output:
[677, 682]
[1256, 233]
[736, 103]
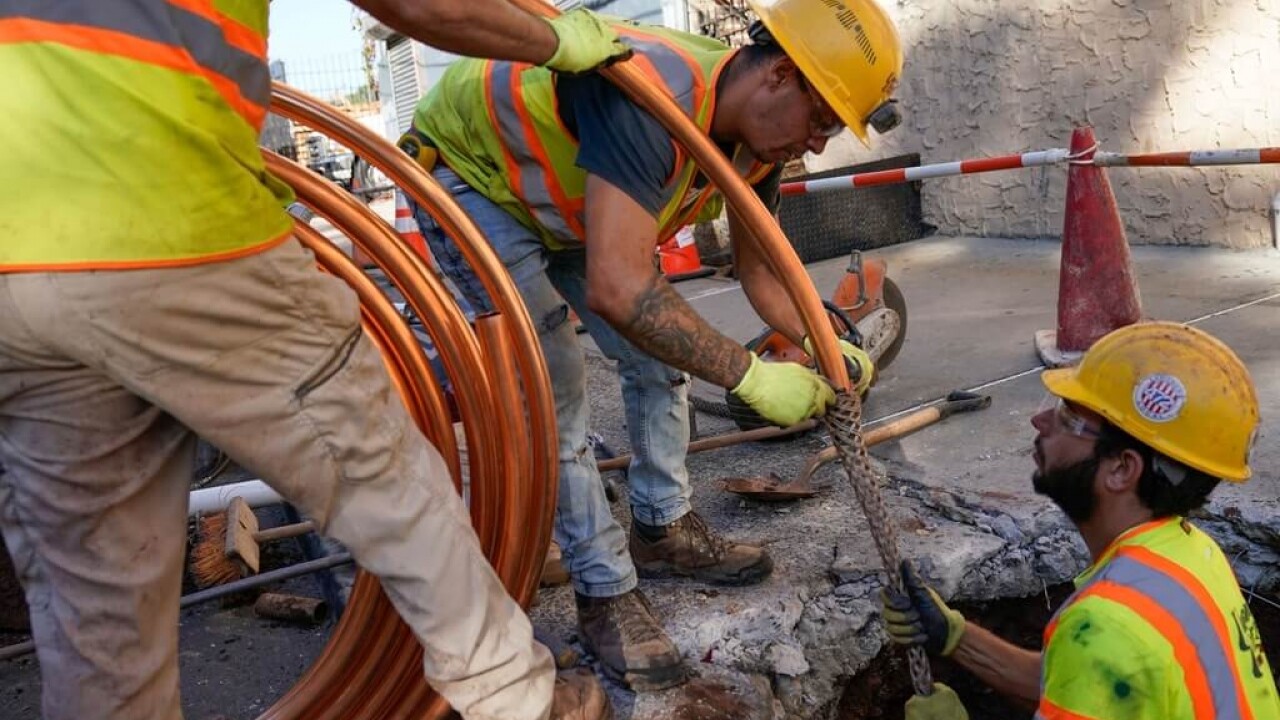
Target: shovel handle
[956, 402]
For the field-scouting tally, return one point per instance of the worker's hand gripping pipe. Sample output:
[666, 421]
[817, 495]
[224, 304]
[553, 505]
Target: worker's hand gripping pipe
[842, 421]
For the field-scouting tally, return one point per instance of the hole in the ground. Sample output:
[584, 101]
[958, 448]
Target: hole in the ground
[878, 692]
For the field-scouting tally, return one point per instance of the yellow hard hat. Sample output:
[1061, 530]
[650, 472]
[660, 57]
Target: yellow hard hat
[1176, 389]
[848, 49]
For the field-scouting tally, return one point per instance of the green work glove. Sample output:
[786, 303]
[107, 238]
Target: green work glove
[943, 704]
[784, 393]
[861, 368]
[587, 43]
[920, 617]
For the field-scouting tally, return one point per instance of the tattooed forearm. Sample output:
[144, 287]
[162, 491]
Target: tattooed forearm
[662, 324]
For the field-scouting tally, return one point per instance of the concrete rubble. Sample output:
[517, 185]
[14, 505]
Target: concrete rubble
[959, 491]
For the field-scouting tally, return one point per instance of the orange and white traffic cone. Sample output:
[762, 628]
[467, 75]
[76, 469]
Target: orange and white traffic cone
[407, 228]
[1097, 291]
[679, 259]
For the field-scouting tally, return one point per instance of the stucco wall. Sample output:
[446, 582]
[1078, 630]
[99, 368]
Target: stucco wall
[991, 77]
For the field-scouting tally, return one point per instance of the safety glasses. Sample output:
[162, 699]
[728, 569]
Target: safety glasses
[1067, 419]
[823, 121]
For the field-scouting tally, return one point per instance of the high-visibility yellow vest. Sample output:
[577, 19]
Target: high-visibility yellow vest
[130, 134]
[496, 124]
[1157, 630]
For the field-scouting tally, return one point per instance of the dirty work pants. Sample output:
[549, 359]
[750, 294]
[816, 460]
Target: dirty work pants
[655, 395]
[103, 378]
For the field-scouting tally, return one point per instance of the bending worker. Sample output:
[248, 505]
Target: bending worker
[575, 186]
[1141, 432]
[150, 286]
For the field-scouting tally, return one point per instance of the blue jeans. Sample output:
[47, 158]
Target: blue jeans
[655, 395]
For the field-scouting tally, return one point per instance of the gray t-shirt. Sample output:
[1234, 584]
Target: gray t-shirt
[622, 143]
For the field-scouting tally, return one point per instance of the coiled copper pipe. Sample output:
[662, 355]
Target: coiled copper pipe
[534, 382]
[372, 666]
[445, 323]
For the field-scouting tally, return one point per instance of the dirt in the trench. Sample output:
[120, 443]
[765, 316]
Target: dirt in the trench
[878, 693]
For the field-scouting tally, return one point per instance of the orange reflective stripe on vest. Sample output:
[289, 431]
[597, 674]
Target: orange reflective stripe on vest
[188, 36]
[1179, 608]
[1049, 711]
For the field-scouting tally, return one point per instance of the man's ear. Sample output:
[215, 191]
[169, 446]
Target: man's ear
[782, 70]
[1122, 472]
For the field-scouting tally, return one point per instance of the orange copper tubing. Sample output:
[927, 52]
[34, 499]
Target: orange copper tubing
[497, 344]
[371, 667]
[371, 680]
[542, 472]
[370, 642]
[445, 323]
[773, 244]
[418, 184]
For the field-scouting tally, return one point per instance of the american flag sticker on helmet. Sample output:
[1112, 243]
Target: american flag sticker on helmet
[1159, 398]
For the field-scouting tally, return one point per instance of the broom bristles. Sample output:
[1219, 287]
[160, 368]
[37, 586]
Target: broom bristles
[210, 565]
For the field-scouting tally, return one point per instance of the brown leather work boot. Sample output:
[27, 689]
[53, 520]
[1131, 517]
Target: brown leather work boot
[578, 696]
[688, 548]
[629, 642]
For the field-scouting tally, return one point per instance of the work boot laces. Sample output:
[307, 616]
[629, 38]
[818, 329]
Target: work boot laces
[636, 623]
[702, 537]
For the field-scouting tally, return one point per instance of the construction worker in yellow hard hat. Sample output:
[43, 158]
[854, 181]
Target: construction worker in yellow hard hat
[1132, 440]
[151, 289]
[575, 186]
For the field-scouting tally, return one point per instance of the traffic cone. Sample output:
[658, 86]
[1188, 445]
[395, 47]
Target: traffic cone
[1097, 292]
[407, 228]
[679, 259]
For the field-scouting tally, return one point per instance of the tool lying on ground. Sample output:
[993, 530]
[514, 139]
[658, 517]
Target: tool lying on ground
[774, 489]
[228, 546]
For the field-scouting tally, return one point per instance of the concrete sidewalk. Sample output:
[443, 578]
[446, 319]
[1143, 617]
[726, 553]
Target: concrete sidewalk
[959, 491]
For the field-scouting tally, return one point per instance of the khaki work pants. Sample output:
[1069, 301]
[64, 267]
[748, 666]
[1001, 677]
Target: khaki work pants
[103, 376]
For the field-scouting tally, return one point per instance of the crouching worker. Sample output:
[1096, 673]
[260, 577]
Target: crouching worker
[1134, 439]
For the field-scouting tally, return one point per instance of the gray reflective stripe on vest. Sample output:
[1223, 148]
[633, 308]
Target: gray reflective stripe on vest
[160, 22]
[531, 187]
[680, 81]
[1170, 594]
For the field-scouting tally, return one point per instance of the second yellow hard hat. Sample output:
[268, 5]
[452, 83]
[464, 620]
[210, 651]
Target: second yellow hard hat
[1176, 389]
